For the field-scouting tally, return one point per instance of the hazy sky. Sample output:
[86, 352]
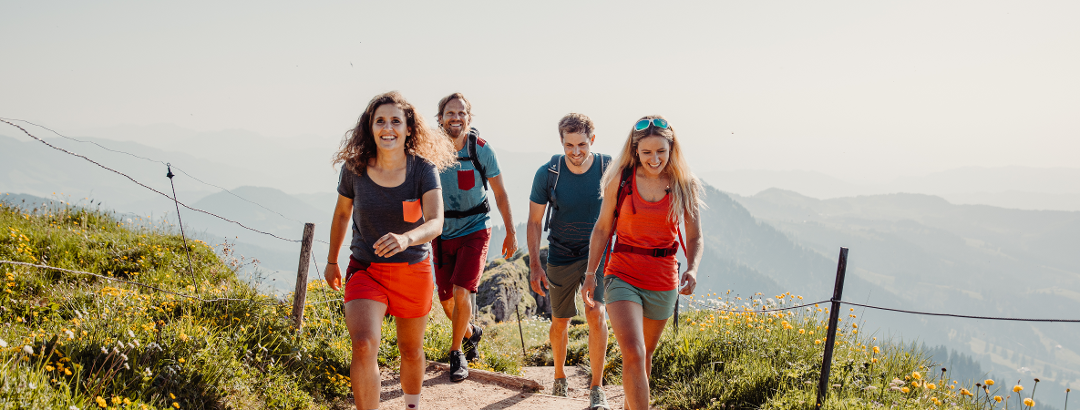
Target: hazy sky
[860, 89]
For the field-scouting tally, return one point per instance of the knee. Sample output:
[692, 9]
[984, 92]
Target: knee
[559, 326]
[461, 294]
[595, 315]
[365, 346]
[633, 355]
[411, 353]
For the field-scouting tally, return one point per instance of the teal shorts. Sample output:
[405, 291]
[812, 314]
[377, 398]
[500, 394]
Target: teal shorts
[564, 282]
[655, 304]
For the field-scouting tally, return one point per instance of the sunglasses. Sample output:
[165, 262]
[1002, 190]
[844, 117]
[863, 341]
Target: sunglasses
[656, 122]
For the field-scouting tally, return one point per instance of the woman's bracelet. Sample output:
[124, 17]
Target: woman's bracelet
[331, 263]
[590, 273]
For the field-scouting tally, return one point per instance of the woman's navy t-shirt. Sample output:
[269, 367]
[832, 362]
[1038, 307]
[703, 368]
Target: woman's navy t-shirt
[378, 210]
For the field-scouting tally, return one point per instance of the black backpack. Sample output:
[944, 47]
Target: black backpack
[553, 180]
[483, 207]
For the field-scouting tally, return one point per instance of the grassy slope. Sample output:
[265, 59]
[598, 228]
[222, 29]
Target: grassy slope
[97, 343]
[92, 338]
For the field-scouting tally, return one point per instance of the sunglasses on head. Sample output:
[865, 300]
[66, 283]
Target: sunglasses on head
[656, 122]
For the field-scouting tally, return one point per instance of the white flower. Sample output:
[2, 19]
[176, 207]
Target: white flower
[70, 334]
[104, 350]
[73, 408]
[123, 356]
[131, 334]
[120, 345]
[79, 314]
[3, 344]
[32, 386]
[27, 349]
[136, 341]
[148, 373]
[126, 367]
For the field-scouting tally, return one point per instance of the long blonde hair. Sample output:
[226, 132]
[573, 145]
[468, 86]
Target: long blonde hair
[358, 146]
[686, 191]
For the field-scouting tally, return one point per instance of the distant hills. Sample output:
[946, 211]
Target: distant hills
[920, 252]
[1006, 187]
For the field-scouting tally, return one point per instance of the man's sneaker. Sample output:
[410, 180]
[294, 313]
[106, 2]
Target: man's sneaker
[597, 399]
[471, 345]
[559, 387]
[459, 367]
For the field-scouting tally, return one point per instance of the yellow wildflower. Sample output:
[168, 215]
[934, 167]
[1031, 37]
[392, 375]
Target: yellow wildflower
[1017, 388]
[988, 382]
[905, 390]
[997, 399]
[1029, 402]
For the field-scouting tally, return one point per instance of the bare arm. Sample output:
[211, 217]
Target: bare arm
[695, 243]
[338, 228]
[392, 243]
[533, 232]
[503, 202]
[598, 241]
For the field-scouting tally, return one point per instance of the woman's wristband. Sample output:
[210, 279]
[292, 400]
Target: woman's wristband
[331, 263]
[590, 273]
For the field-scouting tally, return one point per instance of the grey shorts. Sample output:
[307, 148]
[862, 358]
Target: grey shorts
[565, 282]
[655, 304]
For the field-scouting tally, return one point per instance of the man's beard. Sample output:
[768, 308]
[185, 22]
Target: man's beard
[455, 133]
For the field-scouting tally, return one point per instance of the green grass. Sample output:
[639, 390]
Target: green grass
[76, 340]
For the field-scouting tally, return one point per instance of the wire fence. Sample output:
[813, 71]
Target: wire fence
[152, 287]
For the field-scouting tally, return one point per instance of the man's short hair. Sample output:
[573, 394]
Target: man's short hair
[574, 123]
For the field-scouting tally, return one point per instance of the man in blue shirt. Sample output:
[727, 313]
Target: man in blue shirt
[460, 253]
[571, 183]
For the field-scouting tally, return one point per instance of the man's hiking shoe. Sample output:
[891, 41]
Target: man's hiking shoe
[597, 399]
[471, 345]
[459, 367]
[559, 387]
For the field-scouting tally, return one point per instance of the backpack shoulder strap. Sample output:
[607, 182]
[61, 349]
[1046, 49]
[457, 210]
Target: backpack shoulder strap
[474, 134]
[553, 168]
[625, 188]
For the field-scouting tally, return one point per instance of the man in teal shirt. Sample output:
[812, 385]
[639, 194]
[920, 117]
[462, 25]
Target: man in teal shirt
[460, 253]
[571, 184]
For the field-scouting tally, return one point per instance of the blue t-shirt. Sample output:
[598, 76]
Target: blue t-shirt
[378, 210]
[462, 189]
[576, 209]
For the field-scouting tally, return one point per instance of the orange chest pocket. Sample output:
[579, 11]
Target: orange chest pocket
[412, 211]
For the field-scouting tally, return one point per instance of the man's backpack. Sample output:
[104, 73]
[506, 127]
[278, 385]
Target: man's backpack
[472, 140]
[554, 167]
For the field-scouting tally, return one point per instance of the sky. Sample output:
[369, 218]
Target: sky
[853, 89]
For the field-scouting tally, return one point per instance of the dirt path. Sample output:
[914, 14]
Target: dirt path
[477, 394]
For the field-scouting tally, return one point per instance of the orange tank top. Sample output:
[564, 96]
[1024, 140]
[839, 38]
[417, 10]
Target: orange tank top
[645, 225]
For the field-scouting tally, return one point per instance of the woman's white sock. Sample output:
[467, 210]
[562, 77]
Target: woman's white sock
[412, 401]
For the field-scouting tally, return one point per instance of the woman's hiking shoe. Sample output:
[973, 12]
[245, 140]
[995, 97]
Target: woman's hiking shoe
[597, 399]
[471, 345]
[559, 387]
[459, 367]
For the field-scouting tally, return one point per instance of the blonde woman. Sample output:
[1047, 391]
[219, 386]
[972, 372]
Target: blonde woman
[390, 188]
[646, 193]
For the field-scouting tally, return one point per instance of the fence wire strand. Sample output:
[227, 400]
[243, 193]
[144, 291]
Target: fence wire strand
[145, 186]
[962, 316]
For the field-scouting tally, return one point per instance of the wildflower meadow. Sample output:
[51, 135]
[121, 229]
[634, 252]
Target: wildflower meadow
[75, 341]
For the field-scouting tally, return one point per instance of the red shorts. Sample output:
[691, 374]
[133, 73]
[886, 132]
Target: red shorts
[405, 289]
[460, 261]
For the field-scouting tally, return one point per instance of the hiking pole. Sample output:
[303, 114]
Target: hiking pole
[678, 267]
[521, 333]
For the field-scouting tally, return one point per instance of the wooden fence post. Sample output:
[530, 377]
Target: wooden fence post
[830, 340]
[300, 295]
